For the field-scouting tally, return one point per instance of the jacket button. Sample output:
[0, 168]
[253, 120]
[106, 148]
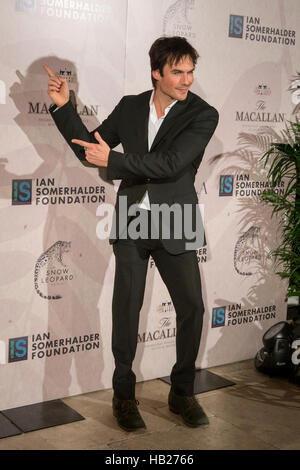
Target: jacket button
[148, 180]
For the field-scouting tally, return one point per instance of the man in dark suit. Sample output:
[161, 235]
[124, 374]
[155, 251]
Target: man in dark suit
[164, 133]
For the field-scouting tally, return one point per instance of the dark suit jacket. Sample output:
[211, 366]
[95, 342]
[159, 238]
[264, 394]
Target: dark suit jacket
[167, 171]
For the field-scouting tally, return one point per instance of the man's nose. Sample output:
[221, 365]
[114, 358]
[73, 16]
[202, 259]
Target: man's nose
[187, 79]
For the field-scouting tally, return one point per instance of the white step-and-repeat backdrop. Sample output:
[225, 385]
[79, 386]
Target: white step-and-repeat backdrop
[57, 273]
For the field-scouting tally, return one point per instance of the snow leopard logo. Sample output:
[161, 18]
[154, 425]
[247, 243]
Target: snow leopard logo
[53, 255]
[177, 11]
[246, 250]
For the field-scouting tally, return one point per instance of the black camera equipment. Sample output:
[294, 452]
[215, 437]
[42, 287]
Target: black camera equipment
[281, 351]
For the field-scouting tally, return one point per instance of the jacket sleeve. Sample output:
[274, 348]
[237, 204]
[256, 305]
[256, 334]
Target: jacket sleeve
[186, 147]
[71, 127]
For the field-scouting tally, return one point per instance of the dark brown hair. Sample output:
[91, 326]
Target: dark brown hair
[170, 50]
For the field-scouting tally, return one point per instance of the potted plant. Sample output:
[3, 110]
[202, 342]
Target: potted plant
[283, 156]
[284, 159]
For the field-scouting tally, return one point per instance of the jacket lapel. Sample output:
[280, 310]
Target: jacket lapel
[141, 116]
[179, 108]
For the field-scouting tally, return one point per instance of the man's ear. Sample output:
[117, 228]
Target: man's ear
[156, 74]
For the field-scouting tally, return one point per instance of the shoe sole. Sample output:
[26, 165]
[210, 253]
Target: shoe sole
[176, 412]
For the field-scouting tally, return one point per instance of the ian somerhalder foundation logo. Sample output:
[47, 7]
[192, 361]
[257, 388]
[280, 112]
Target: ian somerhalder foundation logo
[44, 191]
[74, 10]
[237, 315]
[241, 185]
[43, 345]
[253, 29]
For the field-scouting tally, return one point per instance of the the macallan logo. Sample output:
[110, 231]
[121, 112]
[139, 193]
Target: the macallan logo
[43, 108]
[259, 111]
[260, 114]
[164, 331]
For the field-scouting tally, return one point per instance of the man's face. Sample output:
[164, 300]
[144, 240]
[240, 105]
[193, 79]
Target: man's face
[176, 79]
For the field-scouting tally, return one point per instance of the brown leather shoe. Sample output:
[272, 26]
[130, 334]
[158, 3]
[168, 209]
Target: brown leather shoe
[127, 414]
[189, 409]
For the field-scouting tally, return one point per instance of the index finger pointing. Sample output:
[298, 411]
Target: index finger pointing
[82, 143]
[49, 71]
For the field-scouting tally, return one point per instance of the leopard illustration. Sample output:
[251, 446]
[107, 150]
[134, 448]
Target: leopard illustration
[245, 251]
[178, 9]
[54, 253]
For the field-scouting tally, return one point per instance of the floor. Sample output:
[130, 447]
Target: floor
[258, 413]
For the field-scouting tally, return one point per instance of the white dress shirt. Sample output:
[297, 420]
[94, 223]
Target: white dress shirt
[154, 124]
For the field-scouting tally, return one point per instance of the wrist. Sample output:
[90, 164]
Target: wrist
[60, 104]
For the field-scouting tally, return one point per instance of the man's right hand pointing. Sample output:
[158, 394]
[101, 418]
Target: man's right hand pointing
[58, 88]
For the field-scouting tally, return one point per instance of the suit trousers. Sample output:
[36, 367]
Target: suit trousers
[181, 276]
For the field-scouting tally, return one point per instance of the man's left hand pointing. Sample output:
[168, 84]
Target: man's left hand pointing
[97, 154]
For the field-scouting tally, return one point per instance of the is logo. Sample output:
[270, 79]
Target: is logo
[236, 26]
[18, 349]
[21, 192]
[218, 317]
[226, 185]
[25, 5]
